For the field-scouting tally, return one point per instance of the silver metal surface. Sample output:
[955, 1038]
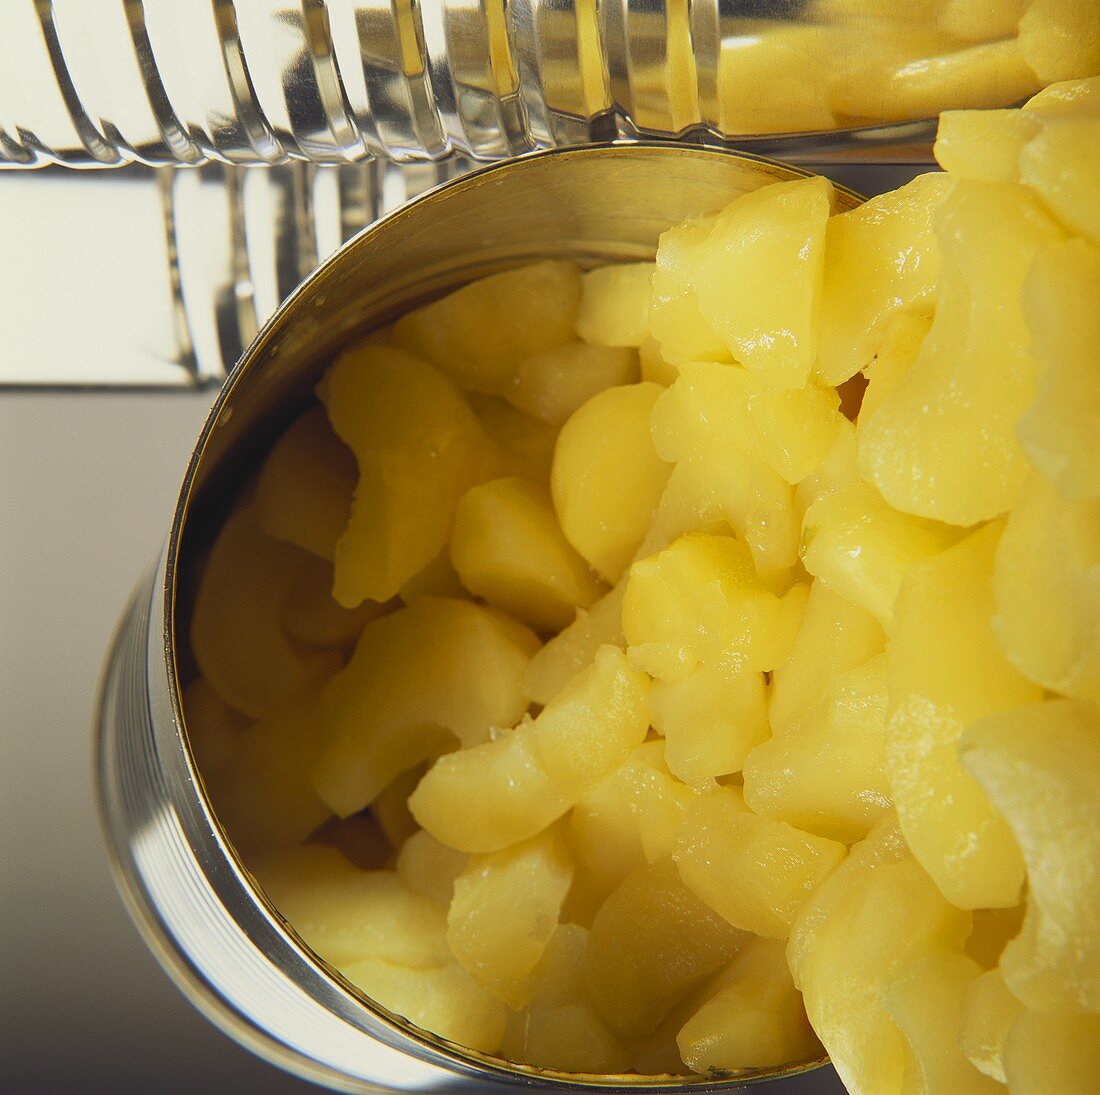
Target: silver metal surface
[336, 81]
[210, 925]
[240, 239]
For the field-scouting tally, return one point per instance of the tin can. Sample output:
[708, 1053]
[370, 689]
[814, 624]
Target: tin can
[336, 81]
[200, 911]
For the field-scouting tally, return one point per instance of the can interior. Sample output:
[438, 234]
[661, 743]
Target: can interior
[593, 205]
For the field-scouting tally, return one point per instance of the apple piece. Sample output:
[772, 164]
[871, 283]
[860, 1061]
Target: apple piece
[479, 333]
[753, 871]
[1040, 765]
[419, 447]
[607, 477]
[946, 669]
[419, 679]
[758, 278]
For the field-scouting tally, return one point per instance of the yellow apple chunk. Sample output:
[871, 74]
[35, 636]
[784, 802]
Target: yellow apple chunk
[438, 579]
[508, 548]
[1045, 582]
[857, 545]
[1062, 165]
[839, 467]
[390, 807]
[419, 448]
[925, 996]
[344, 913]
[980, 20]
[827, 774]
[493, 795]
[943, 443]
[872, 39]
[681, 84]
[880, 257]
[505, 909]
[419, 678]
[213, 728]
[303, 494]
[560, 1029]
[883, 844]
[593, 723]
[237, 632]
[606, 843]
[651, 943]
[526, 444]
[312, 616]
[1048, 1053]
[550, 386]
[989, 1010]
[1059, 39]
[756, 1020]
[653, 365]
[984, 144]
[709, 405]
[488, 797]
[835, 636]
[1040, 765]
[903, 335]
[904, 18]
[480, 333]
[429, 868]
[946, 670]
[710, 722]
[894, 910]
[658, 1054]
[1058, 431]
[630, 819]
[614, 307]
[263, 796]
[444, 1000]
[753, 871]
[1067, 98]
[721, 486]
[700, 602]
[573, 1038]
[574, 648]
[758, 277]
[607, 477]
[558, 979]
[770, 53]
[677, 323]
[987, 74]
[640, 795]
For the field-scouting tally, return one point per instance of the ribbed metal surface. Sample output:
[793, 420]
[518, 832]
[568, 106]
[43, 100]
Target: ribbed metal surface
[239, 239]
[338, 81]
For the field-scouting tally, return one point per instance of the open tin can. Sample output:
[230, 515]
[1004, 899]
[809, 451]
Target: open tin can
[211, 926]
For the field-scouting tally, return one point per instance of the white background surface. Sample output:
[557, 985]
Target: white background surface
[83, 268]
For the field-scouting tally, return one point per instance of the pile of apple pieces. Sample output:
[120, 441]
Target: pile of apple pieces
[583, 685]
[865, 62]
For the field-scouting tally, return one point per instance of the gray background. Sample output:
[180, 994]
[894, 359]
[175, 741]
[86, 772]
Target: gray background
[87, 482]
